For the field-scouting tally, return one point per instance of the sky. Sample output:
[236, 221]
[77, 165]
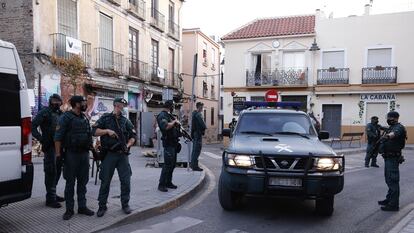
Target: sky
[219, 17]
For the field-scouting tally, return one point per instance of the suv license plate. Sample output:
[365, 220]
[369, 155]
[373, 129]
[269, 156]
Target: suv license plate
[289, 182]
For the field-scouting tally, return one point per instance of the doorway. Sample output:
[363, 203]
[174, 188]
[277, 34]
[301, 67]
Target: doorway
[332, 119]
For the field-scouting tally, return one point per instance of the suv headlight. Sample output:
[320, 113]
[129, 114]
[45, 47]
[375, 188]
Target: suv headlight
[239, 160]
[328, 164]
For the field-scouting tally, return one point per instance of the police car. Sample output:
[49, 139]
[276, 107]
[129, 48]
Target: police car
[278, 153]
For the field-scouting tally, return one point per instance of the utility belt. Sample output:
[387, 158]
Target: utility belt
[392, 154]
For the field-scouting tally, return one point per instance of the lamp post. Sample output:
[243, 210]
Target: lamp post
[314, 48]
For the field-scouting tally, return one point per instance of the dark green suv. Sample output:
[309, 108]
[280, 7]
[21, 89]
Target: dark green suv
[278, 153]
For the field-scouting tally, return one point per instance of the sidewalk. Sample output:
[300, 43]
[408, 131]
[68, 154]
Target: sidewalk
[33, 216]
[357, 150]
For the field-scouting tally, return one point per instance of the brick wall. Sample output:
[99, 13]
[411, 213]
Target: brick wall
[16, 26]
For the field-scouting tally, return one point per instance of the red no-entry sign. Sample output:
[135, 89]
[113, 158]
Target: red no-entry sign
[271, 96]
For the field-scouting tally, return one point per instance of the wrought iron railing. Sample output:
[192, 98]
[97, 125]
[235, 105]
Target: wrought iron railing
[278, 77]
[155, 78]
[108, 60]
[173, 30]
[116, 2]
[157, 19]
[333, 76]
[138, 69]
[174, 80]
[379, 75]
[59, 49]
[137, 8]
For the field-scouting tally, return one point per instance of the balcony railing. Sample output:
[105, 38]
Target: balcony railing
[157, 19]
[278, 77]
[174, 80]
[115, 2]
[379, 75]
[138, 69]
[137, 8]
[173, 30]
[59, 49]
[156, 79]
[108, 60]
[333, 76]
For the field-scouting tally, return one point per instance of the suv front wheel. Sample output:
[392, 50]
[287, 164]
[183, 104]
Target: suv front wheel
[229, 200]
[325, 206]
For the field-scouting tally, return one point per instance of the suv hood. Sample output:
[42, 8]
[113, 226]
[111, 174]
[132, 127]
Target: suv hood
[278, 144]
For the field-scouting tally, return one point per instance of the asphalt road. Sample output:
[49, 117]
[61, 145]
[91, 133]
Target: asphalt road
[356, 208]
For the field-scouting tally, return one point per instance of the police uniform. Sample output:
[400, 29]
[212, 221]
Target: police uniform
[391, 151]
[170, 142]
[373, 132]
[198, 129]
[47, 120]
[115, 157]
[75, 133]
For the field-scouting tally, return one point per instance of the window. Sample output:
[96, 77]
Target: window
[213, 56]
[205, 115]
[213, 93]
[105, 32]
[171, 11]
[257, 98]
[154, 8]
[205, 89]
[205, 51]
[262, 62]
[133, 44]
[212, 116]
[222, 78]
[333, 59]
[171, 61]
[221, 103]
[154, 56]
[379, 57]
[67, 18]
[293, 60]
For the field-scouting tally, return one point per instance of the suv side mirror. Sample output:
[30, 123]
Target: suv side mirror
[226, 132]
[323, 135]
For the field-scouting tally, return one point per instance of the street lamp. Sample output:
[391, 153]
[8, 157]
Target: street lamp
[314, 46]
[313, 49]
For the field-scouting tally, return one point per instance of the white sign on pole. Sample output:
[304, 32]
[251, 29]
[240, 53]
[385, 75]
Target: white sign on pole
[73, 45]
[160, 72]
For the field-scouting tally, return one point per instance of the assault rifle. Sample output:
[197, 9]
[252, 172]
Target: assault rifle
[183, 132]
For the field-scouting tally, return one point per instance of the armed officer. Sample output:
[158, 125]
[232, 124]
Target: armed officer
[117, 136]
[47, 119]
[390, 148]
[74, 131]
[198, 128]
[373, 131]
[169, 127]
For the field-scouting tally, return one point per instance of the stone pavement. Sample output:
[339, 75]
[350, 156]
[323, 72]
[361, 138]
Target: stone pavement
[32, 216]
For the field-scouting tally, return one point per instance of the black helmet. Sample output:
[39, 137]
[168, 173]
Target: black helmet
[169, 104]
[55, 96]
[120, 100]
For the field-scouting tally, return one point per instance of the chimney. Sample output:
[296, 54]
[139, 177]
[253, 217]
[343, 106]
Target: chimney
[367, 9]
[319, 14]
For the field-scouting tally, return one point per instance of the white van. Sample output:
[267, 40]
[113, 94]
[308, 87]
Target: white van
[16, 167]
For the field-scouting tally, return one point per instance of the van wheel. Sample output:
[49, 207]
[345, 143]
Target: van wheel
[229, 200]
[325, 206]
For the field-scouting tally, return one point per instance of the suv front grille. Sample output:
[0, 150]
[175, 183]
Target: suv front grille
[283, 163]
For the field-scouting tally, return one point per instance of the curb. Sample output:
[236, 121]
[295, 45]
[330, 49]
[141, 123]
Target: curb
[363, 150]
[158, 209]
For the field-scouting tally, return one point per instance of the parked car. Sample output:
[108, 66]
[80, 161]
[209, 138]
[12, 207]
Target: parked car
[16, 167]
[278, 153]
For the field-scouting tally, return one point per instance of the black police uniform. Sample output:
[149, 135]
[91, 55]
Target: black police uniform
[75, 133]
[47, 120]
[170, 142]
[115, 157]
[198, 128]
[373, 132]
[391, 151]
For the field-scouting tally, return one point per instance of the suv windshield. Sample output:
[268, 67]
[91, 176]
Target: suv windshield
[274, 123]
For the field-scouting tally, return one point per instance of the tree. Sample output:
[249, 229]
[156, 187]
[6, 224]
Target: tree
[72, 68]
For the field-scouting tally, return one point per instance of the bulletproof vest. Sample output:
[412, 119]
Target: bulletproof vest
[395, 144]
[110, 123]
[49, 126]
[171, 136]
[79, 136]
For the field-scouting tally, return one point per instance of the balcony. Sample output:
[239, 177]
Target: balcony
[287, 77]
[137, 9]
[108, 60]
[158, 79]
[333, 76]
[115, 2]
[157, 20]
[138, 70]
[59, 49]
[379, 75]
[173, 30]
[174, 80]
